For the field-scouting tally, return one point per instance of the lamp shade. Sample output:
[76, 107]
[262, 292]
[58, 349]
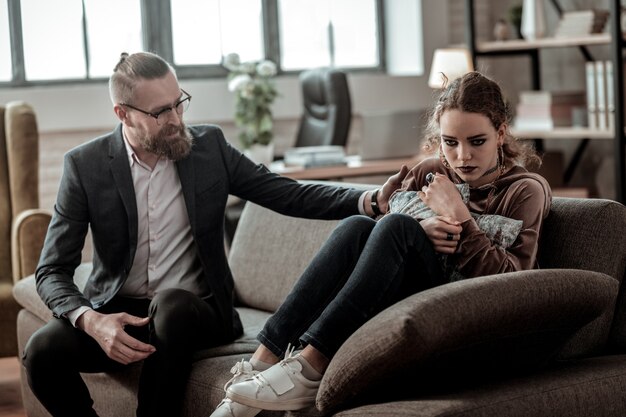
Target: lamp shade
[452, 62]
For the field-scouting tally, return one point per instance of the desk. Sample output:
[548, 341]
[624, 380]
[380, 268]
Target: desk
[355, 167]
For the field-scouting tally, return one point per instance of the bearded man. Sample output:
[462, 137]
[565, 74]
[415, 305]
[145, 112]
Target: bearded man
[153, 192]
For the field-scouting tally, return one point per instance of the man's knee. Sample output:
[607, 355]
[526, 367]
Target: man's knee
[44, 349]
[172, 302]
[172, 310]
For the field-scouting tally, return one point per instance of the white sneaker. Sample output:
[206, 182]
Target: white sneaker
[281, 387]
[227, 408]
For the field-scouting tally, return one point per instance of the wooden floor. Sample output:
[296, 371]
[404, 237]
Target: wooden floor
[10, 395]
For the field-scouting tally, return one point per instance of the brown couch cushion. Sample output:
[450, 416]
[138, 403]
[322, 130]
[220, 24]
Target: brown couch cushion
[589, 234]
[582, 388]
[488, 325]
[22, 142]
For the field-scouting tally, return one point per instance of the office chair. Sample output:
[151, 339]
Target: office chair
[326, 119]
[327, 110]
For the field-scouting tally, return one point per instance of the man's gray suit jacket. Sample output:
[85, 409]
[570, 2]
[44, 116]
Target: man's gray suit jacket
[97, 191]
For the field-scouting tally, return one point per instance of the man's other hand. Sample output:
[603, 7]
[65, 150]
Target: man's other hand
[108, 331]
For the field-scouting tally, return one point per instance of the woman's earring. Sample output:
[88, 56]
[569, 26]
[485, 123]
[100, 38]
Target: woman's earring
[443, 159]
[501, 163]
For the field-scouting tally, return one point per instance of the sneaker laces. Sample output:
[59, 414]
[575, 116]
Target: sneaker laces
[226, 402]
[242, 370]
[289, 356]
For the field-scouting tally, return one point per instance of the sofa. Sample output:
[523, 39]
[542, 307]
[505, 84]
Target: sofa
[549, 342]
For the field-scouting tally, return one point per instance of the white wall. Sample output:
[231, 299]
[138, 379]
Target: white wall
[69, 108]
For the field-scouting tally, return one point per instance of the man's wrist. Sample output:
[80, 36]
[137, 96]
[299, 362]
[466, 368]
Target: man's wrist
[79, 317]
[374, 203]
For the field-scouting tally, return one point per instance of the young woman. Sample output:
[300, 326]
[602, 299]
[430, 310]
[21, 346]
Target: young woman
[476, 190]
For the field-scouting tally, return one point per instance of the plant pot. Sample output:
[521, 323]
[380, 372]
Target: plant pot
[260, 154]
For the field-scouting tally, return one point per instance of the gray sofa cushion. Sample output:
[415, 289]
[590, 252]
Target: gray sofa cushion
[269, 253]
[490, 324]
[25, 292]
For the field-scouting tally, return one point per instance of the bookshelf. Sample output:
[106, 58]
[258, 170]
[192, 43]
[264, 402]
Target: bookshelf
[573, 133]
[614, 39]
[522, 45]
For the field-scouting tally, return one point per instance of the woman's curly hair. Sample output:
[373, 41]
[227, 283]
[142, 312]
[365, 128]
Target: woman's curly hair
[475, 93]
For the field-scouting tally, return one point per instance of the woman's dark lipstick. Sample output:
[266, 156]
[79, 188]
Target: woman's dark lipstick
[466, 170]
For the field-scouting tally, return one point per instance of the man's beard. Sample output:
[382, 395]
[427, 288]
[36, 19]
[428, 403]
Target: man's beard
[174, 148]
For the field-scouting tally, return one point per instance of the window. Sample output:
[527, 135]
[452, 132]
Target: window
[55, 32]
[59, 40]
[109, 33]
[5, 43]
[341, 33]
[205, 30]
[53, 39]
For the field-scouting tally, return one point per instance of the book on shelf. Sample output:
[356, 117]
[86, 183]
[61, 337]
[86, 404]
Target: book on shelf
[550, 97]
[600, 102]
[545, 110]
[592, 94]
[581, 23]
[610, 102]
[601, 94]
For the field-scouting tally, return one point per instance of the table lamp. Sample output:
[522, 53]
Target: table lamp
[451, 62]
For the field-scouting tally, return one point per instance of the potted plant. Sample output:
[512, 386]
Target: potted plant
[251, 82]
[515, 17]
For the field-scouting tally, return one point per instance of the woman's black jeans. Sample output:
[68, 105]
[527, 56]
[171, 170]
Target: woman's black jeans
[364, 267]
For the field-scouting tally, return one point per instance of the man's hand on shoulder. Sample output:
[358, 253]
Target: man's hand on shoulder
[392, 184]
[108, 331]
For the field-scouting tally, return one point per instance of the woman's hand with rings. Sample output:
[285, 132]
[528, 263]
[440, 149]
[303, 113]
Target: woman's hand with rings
[444, 233]
[442, 196]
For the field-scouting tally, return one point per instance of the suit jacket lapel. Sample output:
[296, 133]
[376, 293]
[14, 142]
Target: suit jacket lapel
[120, 168]
[186, 175]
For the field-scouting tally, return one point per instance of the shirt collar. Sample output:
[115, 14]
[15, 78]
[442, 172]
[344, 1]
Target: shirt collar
[132, 157]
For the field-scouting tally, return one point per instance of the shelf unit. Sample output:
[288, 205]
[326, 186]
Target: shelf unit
[572, 133]
[532, 48]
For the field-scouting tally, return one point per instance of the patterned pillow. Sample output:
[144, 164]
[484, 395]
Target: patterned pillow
[501, 230]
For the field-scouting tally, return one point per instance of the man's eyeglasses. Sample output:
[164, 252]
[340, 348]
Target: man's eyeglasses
[181, 106]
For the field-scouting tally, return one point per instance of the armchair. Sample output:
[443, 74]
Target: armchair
[22, 225]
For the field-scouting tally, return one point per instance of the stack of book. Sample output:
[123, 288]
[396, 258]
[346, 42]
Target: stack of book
[600, 103]
[581, 23]
[545, 110]
[315, 156]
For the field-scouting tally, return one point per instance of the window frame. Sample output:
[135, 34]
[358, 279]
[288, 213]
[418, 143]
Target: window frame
[157, 37]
